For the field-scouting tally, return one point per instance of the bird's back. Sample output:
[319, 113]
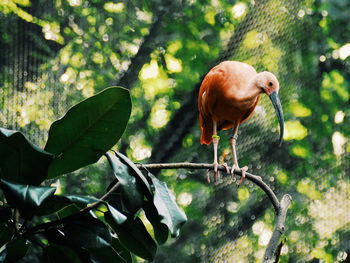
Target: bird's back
[222, 97]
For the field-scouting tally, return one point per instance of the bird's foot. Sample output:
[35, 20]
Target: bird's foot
[216, 172]
[227, 168]
[243, 171]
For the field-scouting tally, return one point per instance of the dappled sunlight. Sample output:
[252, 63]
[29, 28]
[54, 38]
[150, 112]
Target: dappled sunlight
[344, 51]
[239, 10]
[184, 199]
[159, 114]
[237, 252]
[139, 149]
[338, 141]
[331, 213]
[299, 110]
[339, 117]
[114, 7]
[294, 130]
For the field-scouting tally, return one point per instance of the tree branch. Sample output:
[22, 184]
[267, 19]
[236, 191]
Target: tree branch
[270, 252]
[195, 166]
[281, 208]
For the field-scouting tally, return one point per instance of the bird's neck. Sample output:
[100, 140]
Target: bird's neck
[254, 89]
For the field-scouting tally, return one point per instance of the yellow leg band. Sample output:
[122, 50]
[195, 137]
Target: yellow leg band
[216, 137]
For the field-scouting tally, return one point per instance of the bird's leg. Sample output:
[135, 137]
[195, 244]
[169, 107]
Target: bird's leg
[216, 139]
[235, 165]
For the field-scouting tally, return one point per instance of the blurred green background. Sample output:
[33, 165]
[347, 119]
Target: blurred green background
[55, 53]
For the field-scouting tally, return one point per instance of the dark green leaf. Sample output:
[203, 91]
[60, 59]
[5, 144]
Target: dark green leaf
[58, 202]
[134, 236]
[137, 173]
[16, 250]
[117, 217]
[5, 213]
[68, 210]
[21, 161]
[168, 210]
[26, 198]
[122, 251]
[128, 197]
[88, 130]
[161, 231]
[87, 232]
[106, 254]
[5, 234]
[57, 254]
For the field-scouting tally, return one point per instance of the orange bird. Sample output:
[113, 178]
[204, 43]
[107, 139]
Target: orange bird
[227, 97]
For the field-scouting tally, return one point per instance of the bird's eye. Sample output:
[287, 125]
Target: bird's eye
[270, 84]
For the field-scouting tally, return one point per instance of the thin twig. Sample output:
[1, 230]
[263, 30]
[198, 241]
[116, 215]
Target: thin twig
[70, 217]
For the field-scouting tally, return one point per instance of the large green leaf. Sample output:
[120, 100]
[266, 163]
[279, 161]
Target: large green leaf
[87, 233]
[5, 213]
[21, 161]
[164, 201]
[161, 231]
[88, 130]
[57, 254]
[115, 215]
[58, 202]
[16, 250]
[26, 198]
[129, 196]
[148, 189]
[134, 236]
[122, 251]
[5, 234]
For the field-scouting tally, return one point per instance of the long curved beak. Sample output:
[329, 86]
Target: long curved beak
[279, 112]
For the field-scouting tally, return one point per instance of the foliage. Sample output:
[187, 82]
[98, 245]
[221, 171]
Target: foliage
[160, 50]
[81, 228]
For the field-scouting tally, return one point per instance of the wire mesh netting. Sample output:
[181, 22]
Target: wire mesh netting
[160, 51]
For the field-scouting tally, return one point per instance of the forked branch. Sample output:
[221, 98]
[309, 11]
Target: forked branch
[281, 208]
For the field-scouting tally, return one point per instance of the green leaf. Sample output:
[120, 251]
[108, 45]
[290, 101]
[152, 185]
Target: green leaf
[161, 231]
[122, 251]
[87, 232]
[16, 250]
[57, 254]
[68, 210]
[26, 198]
[128, 197]
[164, 202]
[106, 254]
[88, 130]
[148, 190]
[21, 161]
[115, 215]
[5, 234]
[58, 202]
[5, 213]
[134, 236]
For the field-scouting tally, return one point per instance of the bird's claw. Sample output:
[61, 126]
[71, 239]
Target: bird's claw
[227, 168]
[243, 171]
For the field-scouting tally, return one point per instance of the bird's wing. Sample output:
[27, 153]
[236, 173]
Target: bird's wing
[205, 101]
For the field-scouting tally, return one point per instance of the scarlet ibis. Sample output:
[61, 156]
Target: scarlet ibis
[227, 97]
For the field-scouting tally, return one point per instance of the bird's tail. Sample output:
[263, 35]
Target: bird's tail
[206, 131]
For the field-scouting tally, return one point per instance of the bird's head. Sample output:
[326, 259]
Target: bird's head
[268, 84]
